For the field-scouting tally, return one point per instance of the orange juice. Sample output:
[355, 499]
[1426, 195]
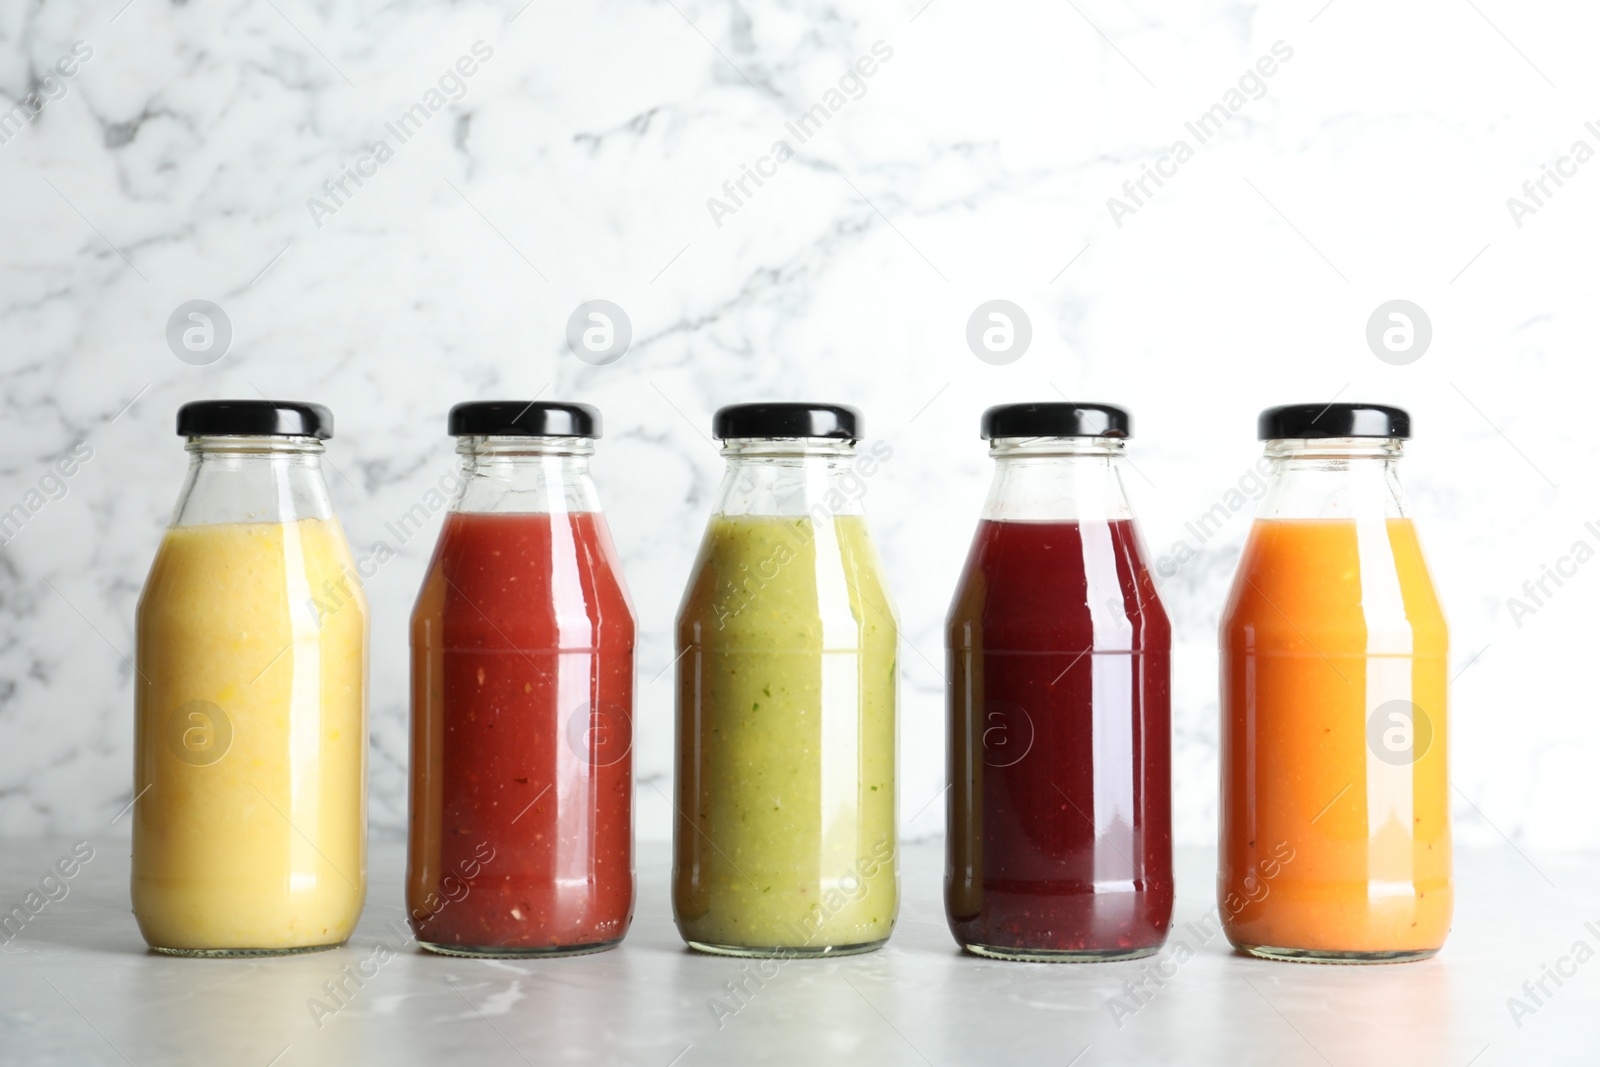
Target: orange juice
[1335, 828]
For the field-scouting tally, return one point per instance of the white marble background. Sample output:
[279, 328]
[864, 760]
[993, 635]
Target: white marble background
[177, 162]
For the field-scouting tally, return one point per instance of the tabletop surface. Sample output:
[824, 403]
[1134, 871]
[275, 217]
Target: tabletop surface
[77, 986]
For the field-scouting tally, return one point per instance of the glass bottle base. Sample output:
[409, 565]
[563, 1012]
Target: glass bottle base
[1317, 955]
[238, 953]
[787, 952]
[533, 952]
[1051, 955]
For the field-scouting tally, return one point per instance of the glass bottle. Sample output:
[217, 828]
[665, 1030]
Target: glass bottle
[522, 664]
[250, 736]
[785, 839]
[1335, 828]
[1060, 803]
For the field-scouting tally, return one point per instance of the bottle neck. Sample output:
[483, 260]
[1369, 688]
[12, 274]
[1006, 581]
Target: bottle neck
[1057, 479]
[1334, 478]
[525, 475]
[792, 477]
[252, 479]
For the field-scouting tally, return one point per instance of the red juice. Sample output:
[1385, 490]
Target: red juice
[522, 693]
[1060, 809]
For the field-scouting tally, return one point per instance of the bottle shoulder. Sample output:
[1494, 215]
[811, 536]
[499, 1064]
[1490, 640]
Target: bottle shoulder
[765, 575]
[1355, 584]
[1057, 585]
[530, 577]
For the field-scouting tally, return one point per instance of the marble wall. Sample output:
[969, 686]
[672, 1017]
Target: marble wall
[399, 206]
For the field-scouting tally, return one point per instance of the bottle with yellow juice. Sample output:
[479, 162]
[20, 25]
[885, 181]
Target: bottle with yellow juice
[249, 818]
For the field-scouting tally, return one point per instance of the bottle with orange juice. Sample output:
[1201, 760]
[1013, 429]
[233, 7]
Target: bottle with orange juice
[1335, 823]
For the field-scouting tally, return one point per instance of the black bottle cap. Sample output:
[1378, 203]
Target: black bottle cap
[1301, 421]
[523, 418]
[1056, 419]
[254, 418]
[787, 420]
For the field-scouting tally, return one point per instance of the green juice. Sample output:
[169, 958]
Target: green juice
[785, 840]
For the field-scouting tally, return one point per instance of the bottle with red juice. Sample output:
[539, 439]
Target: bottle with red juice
[522, 665]
[1060, 804]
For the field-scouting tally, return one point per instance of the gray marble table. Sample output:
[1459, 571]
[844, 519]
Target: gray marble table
[78, 987]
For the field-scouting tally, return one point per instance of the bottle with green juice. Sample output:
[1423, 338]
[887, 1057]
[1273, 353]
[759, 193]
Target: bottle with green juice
[785, 836]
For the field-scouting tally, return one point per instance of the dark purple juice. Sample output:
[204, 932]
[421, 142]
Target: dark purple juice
[1060, 806]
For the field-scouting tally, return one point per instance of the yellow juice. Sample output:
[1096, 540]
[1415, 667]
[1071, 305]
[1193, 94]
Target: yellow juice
[249, 823]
